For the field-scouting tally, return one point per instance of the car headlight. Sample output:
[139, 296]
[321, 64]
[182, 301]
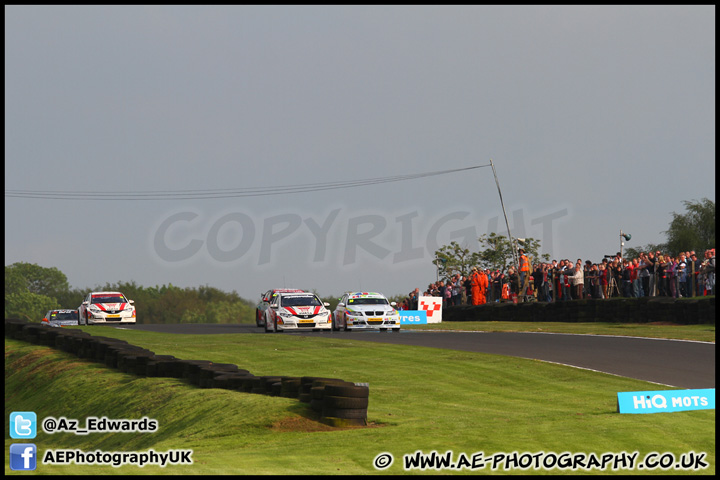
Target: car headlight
[285, 315]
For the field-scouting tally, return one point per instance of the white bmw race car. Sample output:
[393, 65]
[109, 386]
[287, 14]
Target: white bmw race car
[366, 310]
[297, 311]
[106, 307]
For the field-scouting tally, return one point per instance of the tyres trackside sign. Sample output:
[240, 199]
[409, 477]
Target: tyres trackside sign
[413, 317]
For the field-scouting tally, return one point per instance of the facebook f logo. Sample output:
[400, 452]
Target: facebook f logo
[23, 425]
[23, 456]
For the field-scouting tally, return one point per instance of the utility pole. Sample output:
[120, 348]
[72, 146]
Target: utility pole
[512, 244]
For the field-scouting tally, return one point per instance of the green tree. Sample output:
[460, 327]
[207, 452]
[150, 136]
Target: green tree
[499, 252]
[452, 259]
[497, 255]
[14, 281]
[693, 230]
[32, 290]
[28, 305]
[40, 280]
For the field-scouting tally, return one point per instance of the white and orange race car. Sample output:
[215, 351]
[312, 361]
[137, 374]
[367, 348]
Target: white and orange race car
[297, 311]
[106, 307]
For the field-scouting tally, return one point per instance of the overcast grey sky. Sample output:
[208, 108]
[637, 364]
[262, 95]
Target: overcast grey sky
[597, 118]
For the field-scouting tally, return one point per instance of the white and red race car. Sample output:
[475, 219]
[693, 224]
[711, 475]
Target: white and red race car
[265, 299]
[297, 311]
[106, 307]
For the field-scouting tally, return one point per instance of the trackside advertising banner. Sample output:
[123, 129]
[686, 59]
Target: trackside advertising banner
[433, 307]
[666, 401]
[413, 317]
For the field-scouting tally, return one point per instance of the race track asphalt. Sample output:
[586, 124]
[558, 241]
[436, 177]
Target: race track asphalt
[675, 363]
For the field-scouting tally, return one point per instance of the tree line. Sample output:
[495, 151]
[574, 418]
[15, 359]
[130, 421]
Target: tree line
[31, 290]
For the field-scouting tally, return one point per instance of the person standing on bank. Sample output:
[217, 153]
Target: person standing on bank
[524, 273]
[479, 284]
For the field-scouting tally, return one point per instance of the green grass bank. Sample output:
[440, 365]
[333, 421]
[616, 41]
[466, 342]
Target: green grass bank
[421, 399]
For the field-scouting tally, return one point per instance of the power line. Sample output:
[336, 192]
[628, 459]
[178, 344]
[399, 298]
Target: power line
[224, 193]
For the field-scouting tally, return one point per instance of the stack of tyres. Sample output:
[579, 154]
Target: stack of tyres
[290, 387]
[191, 370]
[141, 363]
[230, 380]
[47, 335]
[263, 385]
[208, 372]
[270, 381]
[248, 384]
[172, 368]
[345, 405]
[14, 326]
[101, 346]
[114, 352]
[306, 384]
[275, 389]
[157, 365]
[31, 332]
[317, 392]
[133, 360]
[69, 340]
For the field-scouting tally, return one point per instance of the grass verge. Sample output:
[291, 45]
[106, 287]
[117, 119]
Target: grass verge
[421, 399]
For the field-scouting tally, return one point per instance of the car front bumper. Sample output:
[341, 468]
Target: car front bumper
[111, 319]
[299, 324]
[380, 324]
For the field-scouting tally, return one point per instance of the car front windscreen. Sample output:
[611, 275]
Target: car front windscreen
[114, 299]
[305, 301]
[64, 316]
[367, 301]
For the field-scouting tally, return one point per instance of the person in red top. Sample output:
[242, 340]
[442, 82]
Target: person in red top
[628, 272]
[479, 285]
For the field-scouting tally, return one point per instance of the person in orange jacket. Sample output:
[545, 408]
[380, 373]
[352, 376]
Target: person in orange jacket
[479, 285]
[525, 270]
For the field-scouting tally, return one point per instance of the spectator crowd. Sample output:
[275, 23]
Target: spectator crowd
[650, 274]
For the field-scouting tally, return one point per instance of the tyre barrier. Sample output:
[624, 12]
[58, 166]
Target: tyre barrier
[687, 311]
[338, 403]
[290, 387]
[345, 405]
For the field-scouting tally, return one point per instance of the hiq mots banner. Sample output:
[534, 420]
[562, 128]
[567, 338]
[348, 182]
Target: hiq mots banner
[666, 401]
